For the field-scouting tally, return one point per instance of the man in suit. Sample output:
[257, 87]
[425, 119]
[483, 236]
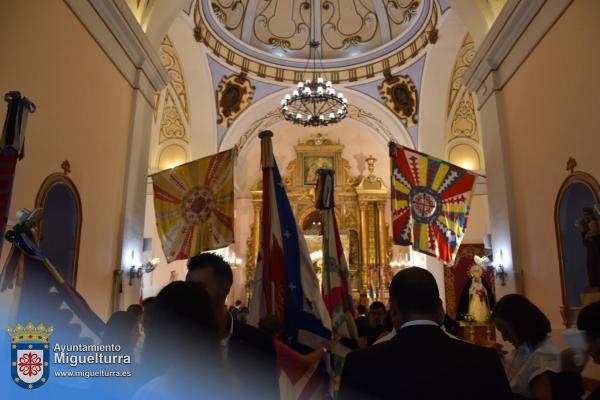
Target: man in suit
[421, 361]
[248, 352]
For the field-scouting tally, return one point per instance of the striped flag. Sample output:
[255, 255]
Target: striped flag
[337, 293]
[39, 291]
[431, 200]
[285, 283]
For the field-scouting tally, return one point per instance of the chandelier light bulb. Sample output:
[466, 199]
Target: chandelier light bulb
[314, 103]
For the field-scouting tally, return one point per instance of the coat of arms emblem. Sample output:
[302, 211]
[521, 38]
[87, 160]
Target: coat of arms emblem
[30, 360]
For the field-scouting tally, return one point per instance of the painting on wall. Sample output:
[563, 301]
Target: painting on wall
[312, 164]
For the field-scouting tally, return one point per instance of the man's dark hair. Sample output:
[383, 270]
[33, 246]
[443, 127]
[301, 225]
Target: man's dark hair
[220, 267]
[589, 320]
[362, 309]
[238, 303]
[414, 291]
[135, 309]
[529, 322]
[377, 305]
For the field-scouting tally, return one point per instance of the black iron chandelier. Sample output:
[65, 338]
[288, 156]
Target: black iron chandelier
[315, 102]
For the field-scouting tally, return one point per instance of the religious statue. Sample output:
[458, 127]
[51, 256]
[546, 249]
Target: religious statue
[477, 299]
[591, 239]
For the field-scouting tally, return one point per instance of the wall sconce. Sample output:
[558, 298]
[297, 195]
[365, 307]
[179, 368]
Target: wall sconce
[500, 272]
[134, 273]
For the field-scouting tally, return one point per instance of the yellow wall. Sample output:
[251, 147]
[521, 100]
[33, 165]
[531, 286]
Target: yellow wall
[83, 115]
[551, 113]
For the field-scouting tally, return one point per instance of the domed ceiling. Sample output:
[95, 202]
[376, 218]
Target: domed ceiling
[358, 38]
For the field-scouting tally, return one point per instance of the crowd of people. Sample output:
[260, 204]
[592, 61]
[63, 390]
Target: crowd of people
[187, 341]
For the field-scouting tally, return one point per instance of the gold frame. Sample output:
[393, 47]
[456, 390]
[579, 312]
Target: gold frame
[355, 199]
[589, 181]
[51, 181]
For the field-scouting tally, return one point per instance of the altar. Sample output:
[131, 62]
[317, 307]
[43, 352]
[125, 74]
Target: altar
[360, 210]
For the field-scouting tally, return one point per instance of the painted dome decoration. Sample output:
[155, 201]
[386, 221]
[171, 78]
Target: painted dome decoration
[359, 38]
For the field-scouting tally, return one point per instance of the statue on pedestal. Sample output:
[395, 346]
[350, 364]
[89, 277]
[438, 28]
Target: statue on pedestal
[591, 239]
[477, 298]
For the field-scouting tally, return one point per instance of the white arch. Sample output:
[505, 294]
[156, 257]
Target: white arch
[435, 86]
[159, 18]
[376, 120]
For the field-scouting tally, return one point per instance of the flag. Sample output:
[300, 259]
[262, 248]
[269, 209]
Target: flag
[194, 206]
[39, 291]
[431, 200]
[337, 293]
[11, 149]
[285, 283]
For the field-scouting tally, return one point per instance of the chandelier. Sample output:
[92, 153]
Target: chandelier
[315, 102]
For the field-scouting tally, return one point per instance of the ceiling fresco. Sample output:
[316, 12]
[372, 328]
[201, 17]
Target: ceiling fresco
[357, 38]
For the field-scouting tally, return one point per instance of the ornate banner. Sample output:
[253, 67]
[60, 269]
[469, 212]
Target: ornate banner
[194, 206]
[431, 200]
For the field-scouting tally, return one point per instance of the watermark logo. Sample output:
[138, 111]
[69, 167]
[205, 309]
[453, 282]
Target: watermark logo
[30, 355]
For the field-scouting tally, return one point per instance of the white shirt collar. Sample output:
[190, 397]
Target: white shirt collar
[419, 322]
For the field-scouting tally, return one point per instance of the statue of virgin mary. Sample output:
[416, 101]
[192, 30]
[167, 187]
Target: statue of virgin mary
[477, 298]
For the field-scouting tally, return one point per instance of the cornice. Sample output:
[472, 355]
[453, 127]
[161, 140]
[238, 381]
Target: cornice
[117, 32]
[514, 35]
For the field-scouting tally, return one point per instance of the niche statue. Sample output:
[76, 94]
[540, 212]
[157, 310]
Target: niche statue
[477, 298]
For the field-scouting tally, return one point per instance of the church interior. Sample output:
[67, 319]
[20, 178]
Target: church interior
[507, 90]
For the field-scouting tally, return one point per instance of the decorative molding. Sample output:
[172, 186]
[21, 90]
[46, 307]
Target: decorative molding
[350, 69]
[171, 125]
[400, 96]
[233, 96]
[115, 29]
[170, 60]
[514, 35]
[464, 122]
[463, 60]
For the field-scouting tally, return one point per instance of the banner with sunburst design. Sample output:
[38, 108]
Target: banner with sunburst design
[431, 200]
[194, 206]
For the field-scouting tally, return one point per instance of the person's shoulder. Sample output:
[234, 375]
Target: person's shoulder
[471, 350]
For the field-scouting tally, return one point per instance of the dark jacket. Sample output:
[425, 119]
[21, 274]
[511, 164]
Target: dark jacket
[252, 359]
[422, 362]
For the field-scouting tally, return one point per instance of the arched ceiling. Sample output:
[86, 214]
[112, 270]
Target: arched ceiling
[358, 38]
[343, 27]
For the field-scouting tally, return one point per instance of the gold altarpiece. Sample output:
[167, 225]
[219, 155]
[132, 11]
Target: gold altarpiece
[360, 211]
